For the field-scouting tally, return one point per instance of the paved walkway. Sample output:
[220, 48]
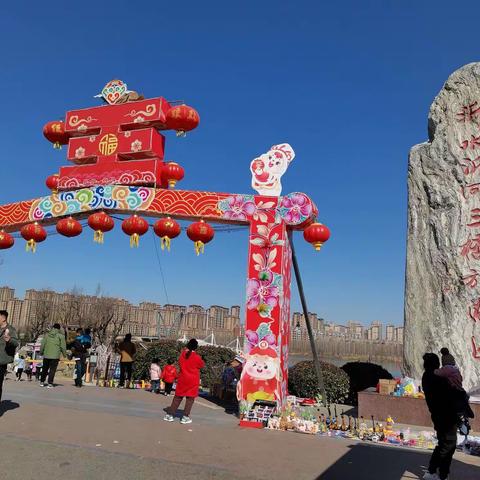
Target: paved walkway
[100, 433]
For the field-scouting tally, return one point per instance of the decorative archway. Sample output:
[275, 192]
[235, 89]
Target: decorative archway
[117, 155]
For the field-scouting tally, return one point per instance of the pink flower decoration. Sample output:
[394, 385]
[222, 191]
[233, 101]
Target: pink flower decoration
[297, 207]
[239, 208]
[261, 292]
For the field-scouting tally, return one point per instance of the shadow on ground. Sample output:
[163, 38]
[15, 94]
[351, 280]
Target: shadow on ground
[7, 405]
[367, 462]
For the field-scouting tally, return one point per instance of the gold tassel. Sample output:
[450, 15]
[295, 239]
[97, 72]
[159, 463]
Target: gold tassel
[199, 247]
[165, 243]
[98, 236]
[172, 183]
[317, 246]
[134, 240]
[57, 146]
[31, 246]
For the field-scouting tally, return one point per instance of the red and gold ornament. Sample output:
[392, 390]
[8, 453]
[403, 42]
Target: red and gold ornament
[6, 240]
[200, 233]
[316, 234]
[52, 182]
[166, 229]
[33, 233]
[135, 227]
[182, 118]
[100, 223]
[173, 173]
[55, 132]
[69, 227]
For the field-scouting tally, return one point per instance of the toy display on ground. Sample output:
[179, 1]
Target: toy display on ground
[299, 417]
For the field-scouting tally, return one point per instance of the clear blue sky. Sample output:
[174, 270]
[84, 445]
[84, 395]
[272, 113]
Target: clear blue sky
[348, 84]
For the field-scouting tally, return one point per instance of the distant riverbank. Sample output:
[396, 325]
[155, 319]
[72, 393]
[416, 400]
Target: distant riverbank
[395, 368]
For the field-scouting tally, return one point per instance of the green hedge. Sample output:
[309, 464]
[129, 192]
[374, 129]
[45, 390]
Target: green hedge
[363, 375]
[302, 381]
[215, 359]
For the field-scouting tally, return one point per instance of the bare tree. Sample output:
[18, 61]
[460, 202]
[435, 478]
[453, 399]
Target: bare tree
[41, 314]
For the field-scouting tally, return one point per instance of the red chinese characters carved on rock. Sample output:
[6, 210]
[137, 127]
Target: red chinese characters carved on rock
[471, 248]
[469, 113]
[473, 143]
[470, 166]
[471, 280]
[474, 310]
[474, 218]
[116, 144]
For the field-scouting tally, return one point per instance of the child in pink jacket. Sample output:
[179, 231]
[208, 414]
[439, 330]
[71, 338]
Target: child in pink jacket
[155, 374]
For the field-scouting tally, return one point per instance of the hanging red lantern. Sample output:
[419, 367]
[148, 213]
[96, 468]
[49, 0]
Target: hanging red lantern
[101, 223]
[173, 173]
[135, 227]
[69, 227]
[182, 118]
[200, 233]
[33, 233]
[52, 182]
[6, 240]
[166, 229]
[55, 132]
[316, 234]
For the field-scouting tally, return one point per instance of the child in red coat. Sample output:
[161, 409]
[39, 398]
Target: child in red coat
[169, 375]
[188, 382]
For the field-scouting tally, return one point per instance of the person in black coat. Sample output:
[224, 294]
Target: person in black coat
[440, 399]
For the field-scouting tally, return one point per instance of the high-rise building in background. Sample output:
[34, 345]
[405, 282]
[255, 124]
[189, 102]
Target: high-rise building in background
[390, 333]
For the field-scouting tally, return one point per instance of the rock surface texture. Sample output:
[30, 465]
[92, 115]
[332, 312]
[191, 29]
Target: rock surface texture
[442, 297]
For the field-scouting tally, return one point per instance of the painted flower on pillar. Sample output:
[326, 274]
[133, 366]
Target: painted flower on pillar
[262, 295]
[295, 208]
[263, 332]
[237, 207]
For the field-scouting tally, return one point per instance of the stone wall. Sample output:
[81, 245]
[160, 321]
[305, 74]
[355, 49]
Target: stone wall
[442, 297]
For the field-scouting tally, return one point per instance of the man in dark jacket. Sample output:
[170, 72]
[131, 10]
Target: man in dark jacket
[440, 399]
[79, 350]
[8, 344]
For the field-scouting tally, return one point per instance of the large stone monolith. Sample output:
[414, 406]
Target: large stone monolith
[442, 297]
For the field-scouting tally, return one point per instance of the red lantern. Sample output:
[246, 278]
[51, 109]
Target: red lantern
[33, 233]
[52, 182]
[69, 227]
[135, 227]
[6, 240]
[101, 223]
[200, 233]
[182, 118]
[166, 229]
[316, 234]
[173, 173]
[55, 132]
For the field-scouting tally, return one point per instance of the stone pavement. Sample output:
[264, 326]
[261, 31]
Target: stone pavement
[101, 433]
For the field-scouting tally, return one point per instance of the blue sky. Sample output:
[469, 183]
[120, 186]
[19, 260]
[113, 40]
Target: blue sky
[348, 84]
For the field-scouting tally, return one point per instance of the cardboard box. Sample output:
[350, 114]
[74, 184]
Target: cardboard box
[386, 387]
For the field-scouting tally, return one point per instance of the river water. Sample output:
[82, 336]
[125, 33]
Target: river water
[393, 367]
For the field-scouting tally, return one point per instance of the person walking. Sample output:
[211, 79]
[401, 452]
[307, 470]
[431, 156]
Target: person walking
[52, 348]
[188, 382]
[79, 351]
[127, 351]
[8, 344]
[169, 375]
[440, 400]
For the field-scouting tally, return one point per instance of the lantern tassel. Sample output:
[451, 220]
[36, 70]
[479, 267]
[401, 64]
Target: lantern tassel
[181, 133]
[57, 146]
[31, 246]
[317, 246]
[172, 183]
[134, 240]
[98, 236]
[165, 243]
[199, 247]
